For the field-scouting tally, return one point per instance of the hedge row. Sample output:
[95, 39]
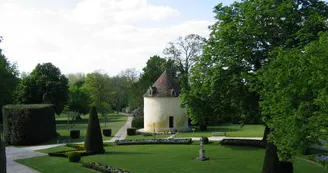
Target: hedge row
[102, 168]
[244, 142]
[28, 124]
[65, 153]
[138, 122]
[153, 141]
[322, 159]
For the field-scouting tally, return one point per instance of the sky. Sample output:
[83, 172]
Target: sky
[88, 35]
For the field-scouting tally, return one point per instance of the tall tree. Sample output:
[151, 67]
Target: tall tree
[183, 52]
[243, 40]
[100, 91]
[9, 81]
[74, 78]
[295, 96]
[45, 84]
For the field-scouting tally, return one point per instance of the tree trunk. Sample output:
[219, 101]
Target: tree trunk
[271, 162]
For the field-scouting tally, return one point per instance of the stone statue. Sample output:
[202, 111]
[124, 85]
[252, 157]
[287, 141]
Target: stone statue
[201, 151]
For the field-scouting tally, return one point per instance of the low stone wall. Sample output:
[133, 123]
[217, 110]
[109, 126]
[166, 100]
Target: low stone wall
[2, 157]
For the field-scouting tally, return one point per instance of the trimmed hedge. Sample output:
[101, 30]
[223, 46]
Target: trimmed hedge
[107, 132]
[102, 168]
[138, 122]
[75, 134]
[74, 156]
[131, 131]
[65, 153]
[153, 141]
[2, 157]
[205, 139]
[94, 141]
[76, 146]
[29, 124]
[244, 142]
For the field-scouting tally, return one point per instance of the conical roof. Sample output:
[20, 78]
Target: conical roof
[164, 86]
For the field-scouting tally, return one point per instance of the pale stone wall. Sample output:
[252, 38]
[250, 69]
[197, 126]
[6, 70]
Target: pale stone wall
[158, 110]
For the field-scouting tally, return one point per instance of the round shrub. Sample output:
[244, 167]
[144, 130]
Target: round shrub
[74, 156]
[205, 139]
[74, 134]
[138, 122]
[107, 132]
[131, 131]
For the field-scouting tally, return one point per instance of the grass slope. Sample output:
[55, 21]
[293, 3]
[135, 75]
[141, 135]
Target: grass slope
[168, 158]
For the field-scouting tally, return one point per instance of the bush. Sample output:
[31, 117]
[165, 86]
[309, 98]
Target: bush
[107, 132]
[138, 122]
[74, 156]
[2, 157]
[102, 168]
[244, 142]
[74, 134]
[28, 124]
[153, 141]
[93, 141]
[76, 146]
[205, 139]
[65, 153]
[131, 131]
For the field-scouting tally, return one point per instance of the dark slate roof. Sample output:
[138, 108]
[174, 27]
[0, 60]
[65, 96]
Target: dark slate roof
[164, 86]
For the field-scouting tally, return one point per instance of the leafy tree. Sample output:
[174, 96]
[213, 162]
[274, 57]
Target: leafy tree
[243, 40]
[295, 95]
[100, 91]
[74, 78]
[120, 87]
[9, 81]
[93, 141]
[45, 84]
[183, 53]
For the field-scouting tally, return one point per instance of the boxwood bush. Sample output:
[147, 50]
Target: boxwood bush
[30, 124]
[74, 134]
[131, 131]
[74, 156]
[205, 139]
[102, 168]
[107, 132]
[244, 142]
[138, 122]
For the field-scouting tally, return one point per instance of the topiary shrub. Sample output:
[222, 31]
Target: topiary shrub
[131, 131]
[138, 122]
[74, 134]
[74, 156]
[107, 132]
[2, 157]
[93, 141]
[205, 139]
[28, 124]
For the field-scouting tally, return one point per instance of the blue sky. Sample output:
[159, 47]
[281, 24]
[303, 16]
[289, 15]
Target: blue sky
[88, 35]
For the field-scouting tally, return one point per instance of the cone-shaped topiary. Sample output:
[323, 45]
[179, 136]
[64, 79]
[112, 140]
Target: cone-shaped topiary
[2, 157]
[93, 141]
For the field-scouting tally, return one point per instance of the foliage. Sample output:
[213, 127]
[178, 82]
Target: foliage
[205, 139]
[244, 142]
[75, 78]
[9, 81]
[107, 132]
[76, 146]
[183, 53]
[74, 134]
[153, 141]
[28, 124]
[45, 84]
[93, 141]
[78, 99]
[138, 122]
[74, 156]
[65, 153]
[322, 159]
[2, 156]
[295, 93]
[131, 131]
[102, 168]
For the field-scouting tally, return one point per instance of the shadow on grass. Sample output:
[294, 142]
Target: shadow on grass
[123, 153]
[241, 148]
[218, 129]
[85, 121]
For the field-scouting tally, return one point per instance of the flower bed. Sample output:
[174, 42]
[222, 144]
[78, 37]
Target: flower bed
[103, 168]
[76, 146]
[65, 153]
[322, 159]
[153, 141]
[244, 142]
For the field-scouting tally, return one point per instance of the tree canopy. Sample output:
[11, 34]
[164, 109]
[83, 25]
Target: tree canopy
[45, 84]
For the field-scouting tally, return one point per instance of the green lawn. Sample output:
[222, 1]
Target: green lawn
[232, 131]
[168, 158]
[114, 122]
[141, 136]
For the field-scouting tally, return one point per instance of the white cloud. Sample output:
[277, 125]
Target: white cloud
[96, 34]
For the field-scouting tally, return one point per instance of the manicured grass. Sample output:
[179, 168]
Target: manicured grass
[233, 130]
[114, 122]
[169, 158]
[141, 136]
